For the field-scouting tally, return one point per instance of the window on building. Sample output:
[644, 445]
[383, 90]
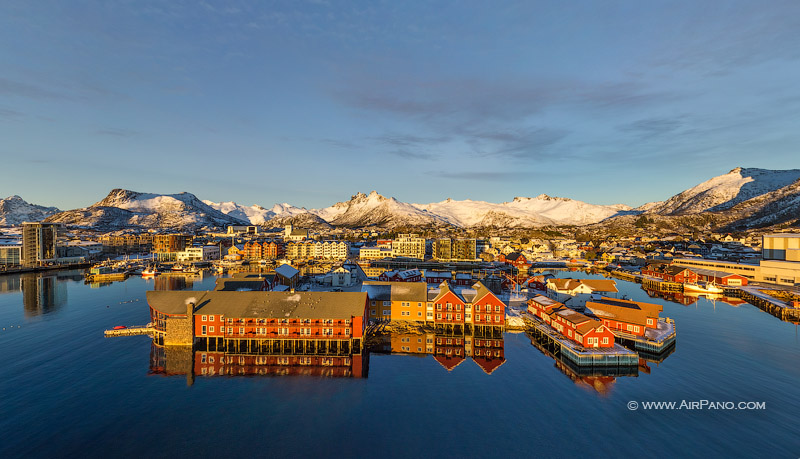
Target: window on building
[203, 330]
[204, 318]
[211, 329]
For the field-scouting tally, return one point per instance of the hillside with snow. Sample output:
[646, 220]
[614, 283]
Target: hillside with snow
[521, 212]
[741, 199]
[375, 210]
[255, 214]
[14, 210]
[725, 191]
[131, 209]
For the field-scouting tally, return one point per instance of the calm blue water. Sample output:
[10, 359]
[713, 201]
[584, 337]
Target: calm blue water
[68, 391]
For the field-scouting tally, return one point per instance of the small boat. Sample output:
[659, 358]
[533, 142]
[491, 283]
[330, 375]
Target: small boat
[702, 287]
[192, 270]
[149, 272]
[120, 327]
[177, 268]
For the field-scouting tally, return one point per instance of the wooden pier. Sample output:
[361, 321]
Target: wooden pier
[652, 283]
[625, 275]
[130, 331]
[773, 306]
[652, 346]
[562, 347]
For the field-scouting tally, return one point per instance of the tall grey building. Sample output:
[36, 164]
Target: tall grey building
[39, 242]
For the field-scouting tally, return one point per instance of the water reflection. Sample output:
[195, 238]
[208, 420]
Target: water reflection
[173, 282]
[599, 379]
[448, 350]
[191, 362]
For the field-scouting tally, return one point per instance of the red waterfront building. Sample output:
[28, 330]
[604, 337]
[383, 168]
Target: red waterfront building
[409, 275]
[631, 317]
[261, 321]
[670, 273]
[515, 259]
[449, 308]
[577, 327]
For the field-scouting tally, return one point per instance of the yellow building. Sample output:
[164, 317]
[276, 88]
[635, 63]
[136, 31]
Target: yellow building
[372, 271]
[397, 301]
[411, 343]
[374, 253]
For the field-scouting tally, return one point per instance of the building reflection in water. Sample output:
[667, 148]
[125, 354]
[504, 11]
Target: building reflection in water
[173, 282]
[601, 379]
[448, 350]
[690, 298]
[183, 360]
[42, 294]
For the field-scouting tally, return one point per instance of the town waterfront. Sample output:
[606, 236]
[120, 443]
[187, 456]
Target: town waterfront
[68, 391]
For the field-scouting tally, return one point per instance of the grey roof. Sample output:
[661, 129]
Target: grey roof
[397, 291]
[377, 291]
[232, 284]
[279, 305]
[287, 271]
[172, 301]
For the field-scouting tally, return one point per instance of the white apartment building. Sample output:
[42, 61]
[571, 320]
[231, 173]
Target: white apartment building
[409, 245]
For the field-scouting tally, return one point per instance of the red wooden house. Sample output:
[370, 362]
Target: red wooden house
[409, 275]
[720, 277]
[483, 307]
[670, 273]
[631, 317]
[576, 326]
[448, 307]
[515, 259]
[437, 277]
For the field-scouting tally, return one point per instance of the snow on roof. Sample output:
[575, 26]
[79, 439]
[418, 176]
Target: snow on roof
[286, 270]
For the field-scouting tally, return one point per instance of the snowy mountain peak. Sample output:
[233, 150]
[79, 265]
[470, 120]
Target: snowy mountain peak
[14, 210]
[129, 209]
[725, 191]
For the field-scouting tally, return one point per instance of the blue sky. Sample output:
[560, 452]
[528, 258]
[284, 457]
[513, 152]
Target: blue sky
[311, 102]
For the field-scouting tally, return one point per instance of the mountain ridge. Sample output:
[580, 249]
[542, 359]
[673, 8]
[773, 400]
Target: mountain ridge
[743, 198]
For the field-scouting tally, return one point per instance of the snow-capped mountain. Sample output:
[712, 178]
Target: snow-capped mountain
[725, 191]
[773, 208]
[256, 214]
[740, 199]
[127, 209]
[14, 210]
[375, 210]
[521, 212]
